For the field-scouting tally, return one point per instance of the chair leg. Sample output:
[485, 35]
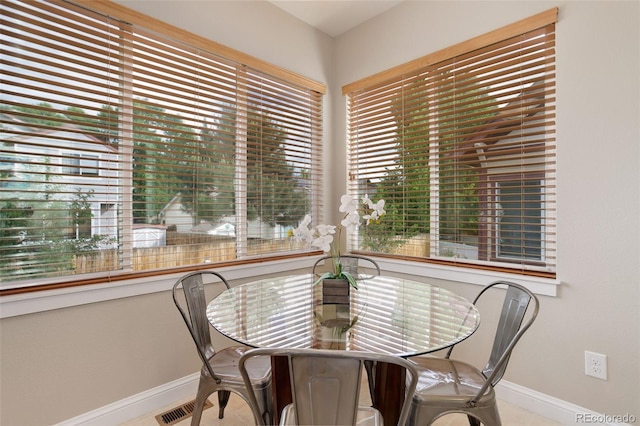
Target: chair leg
[261, 412]
[473, 421]
[223, 400]
[205, 388]
[266, 399]
[489, 416]
[369, 366]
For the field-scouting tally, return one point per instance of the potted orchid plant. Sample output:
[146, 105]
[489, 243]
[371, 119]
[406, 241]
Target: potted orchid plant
[328, 237]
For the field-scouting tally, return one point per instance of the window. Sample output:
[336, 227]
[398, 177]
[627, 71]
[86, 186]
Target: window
[518, 225]
[130, 146]
[461, 145]
[80, 165]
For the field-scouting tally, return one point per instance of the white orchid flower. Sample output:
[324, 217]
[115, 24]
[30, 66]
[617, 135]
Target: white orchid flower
[348, 204]
[302, 232]
[377, 211]
[323, 242]
[367, 201]
[307, 235]
[379, 207]
[351, 222]
[324, 230]
[322, 236]
[306, 221]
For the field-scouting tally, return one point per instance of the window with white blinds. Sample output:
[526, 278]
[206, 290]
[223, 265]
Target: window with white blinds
[461, 145]
[128, 146]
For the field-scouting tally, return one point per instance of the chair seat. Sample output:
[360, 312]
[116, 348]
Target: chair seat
[454, 382]
[366, 416]
[225, 365]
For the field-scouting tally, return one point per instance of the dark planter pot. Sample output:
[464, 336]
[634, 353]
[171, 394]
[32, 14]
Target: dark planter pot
[335, 292]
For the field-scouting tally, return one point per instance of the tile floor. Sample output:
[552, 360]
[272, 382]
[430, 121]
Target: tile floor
[237, 413]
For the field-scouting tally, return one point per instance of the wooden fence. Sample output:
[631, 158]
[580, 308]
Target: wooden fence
[185, 252]
[190, 249]
[417, 246]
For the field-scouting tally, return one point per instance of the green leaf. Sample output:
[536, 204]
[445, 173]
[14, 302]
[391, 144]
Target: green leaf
[350, 278]
[326, 275]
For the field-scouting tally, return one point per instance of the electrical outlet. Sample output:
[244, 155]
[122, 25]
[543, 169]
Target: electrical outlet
[595, 365]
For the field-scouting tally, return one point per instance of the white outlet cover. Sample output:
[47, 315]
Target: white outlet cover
[595, 365]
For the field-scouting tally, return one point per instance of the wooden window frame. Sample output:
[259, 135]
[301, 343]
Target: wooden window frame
[522, 129]
[283, 89]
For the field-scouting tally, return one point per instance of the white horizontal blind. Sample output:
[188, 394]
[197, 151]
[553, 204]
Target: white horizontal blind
[463, 152]
[61, 75]
[125, 150]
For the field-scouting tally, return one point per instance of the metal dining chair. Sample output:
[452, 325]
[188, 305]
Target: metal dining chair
[219, 371]
[351, 263]
[325, 386]
[449, 386]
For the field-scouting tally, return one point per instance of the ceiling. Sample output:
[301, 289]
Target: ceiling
[334, 17]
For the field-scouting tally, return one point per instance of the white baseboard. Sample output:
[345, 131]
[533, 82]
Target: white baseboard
[552, 408]
[138, 405]
[154, 399]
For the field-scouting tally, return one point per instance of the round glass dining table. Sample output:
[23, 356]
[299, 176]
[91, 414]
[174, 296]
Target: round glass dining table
[386, 315]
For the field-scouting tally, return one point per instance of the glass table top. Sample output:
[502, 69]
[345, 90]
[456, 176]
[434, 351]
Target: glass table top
[386, 315]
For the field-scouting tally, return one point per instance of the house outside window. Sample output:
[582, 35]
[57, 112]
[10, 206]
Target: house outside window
[461, 145]
[116, 128]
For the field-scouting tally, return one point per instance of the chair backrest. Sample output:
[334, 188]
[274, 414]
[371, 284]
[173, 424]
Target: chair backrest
[325, 384]
[193, 309]
[510, 328]
[350, 263]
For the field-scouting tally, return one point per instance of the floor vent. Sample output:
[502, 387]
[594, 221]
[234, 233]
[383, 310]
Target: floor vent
[180, 413]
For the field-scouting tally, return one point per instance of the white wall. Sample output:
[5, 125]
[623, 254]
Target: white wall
[72, 360]
[598, 163]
